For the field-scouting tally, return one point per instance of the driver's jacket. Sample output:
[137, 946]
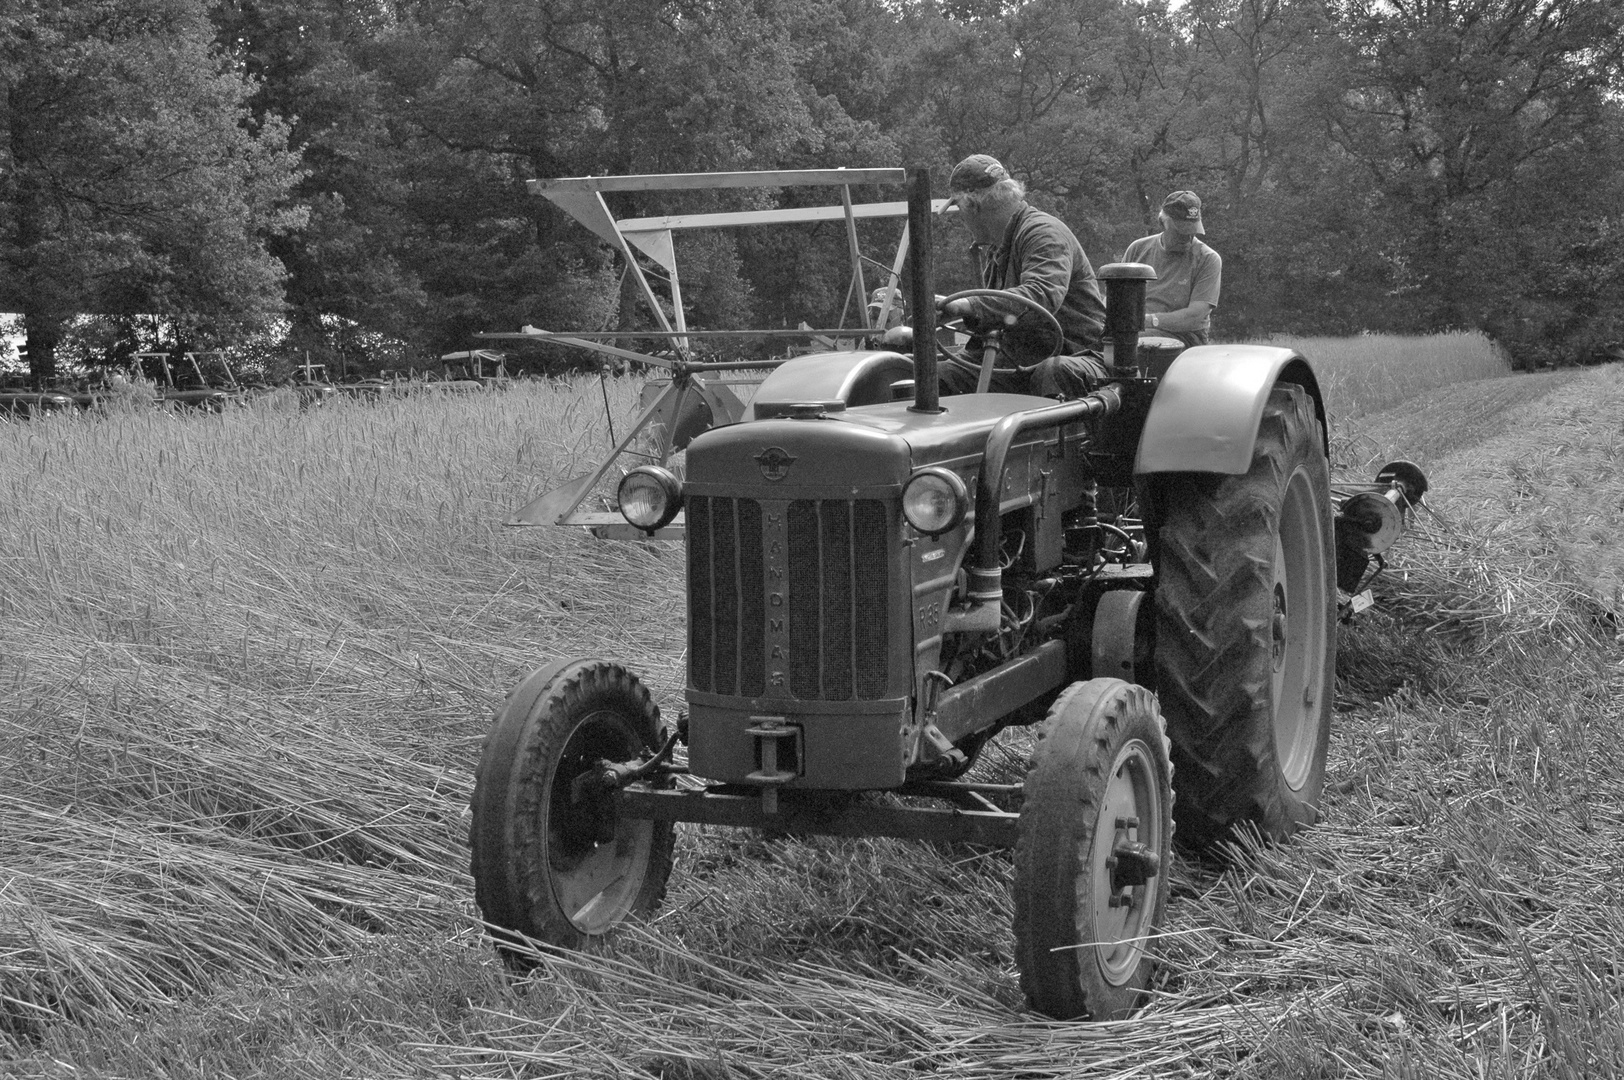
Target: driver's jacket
[1041, 260]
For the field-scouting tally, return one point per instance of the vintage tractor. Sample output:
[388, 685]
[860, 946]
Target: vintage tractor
[880, 581]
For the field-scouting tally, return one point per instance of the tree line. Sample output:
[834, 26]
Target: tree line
[348, 176]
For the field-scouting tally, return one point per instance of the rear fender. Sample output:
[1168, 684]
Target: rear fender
[849, 378]
[1207, 408]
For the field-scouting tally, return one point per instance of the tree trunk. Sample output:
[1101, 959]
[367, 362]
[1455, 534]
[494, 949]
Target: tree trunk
[42, 319]
[44, 335]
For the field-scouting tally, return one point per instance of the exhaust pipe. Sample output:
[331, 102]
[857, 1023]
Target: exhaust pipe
[926, 387]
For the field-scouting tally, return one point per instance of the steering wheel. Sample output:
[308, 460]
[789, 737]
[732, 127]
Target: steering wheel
[1051, 323]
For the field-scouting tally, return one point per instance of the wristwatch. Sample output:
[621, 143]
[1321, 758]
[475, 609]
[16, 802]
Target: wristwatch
[1155, 322]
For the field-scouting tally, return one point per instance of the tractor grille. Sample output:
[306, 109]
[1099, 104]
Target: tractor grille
[837, 598]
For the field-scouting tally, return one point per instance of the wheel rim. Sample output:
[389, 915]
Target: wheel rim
[596, 859]
[1131, 814]
[1297, 630]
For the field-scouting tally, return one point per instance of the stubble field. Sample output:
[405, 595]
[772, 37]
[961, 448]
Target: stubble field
[246, 662]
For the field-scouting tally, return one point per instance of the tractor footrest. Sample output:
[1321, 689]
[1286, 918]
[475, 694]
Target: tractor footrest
[822, 817]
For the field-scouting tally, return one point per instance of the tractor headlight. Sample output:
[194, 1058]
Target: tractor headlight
[934, 500]
[650, 497]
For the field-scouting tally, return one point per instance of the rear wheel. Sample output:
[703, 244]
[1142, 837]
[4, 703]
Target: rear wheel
[1092, 852]
[1245, 630]
[552, 858]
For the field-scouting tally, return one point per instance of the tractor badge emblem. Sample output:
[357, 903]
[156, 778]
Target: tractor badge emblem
[775, 463]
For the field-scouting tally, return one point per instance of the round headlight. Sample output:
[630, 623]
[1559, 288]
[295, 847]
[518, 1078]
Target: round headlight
[934, 500]
[650, 497]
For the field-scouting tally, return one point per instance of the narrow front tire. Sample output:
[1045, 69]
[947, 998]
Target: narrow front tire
[1092, 854]
[553, 859]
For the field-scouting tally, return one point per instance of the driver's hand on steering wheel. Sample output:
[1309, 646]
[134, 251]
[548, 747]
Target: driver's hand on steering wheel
[958, 309]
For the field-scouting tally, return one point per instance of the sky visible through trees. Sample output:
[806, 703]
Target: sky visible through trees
[346, 179]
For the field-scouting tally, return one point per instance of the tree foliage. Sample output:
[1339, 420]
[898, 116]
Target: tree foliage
[1380, 164]
[131, 179]
[1484, 128]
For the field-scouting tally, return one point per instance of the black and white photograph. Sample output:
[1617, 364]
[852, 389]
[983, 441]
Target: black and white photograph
[812, 539]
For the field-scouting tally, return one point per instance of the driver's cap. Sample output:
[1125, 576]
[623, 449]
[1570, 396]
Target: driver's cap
[978, 172]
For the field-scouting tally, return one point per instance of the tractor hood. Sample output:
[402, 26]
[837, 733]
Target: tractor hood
[866, 452]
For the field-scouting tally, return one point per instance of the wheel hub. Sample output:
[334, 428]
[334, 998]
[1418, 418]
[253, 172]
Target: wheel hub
[583, 820]
[1131, 864]
[1127, 864]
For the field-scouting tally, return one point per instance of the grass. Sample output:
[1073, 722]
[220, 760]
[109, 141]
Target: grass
[246, 662]
[1375, 372]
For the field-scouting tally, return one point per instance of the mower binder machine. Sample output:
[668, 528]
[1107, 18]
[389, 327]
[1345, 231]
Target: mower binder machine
[880, 581]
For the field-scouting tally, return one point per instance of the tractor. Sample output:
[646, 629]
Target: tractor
[881, 580]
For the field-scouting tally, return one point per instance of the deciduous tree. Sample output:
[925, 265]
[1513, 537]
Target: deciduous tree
[130, 176]
[1473, 119]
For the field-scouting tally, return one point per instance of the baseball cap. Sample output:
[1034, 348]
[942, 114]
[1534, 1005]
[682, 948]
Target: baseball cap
[978, 172]
[1184, 208]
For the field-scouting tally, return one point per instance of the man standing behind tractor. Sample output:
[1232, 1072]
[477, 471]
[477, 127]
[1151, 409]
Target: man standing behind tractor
[1033, 255]
[1180, 301]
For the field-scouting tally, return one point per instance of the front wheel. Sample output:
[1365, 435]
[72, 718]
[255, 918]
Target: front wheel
[1246, 632]
[552, 858]
[1092, 852]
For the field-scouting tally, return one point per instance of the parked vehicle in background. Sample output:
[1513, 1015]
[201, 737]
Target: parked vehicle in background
[461, 373]
[311, 384]
[185, 381]
[21, 400]
[104, 388]
[475, 369]
[386, 384]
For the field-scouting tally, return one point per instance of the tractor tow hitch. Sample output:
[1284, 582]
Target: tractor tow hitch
[778, 748]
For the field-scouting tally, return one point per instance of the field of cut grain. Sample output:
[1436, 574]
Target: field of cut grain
[246, 662]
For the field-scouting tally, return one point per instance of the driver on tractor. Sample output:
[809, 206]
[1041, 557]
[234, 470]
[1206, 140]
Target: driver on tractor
[1035, 257]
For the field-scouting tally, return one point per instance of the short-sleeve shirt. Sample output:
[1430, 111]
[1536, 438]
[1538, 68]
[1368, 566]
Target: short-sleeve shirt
[1182, 278]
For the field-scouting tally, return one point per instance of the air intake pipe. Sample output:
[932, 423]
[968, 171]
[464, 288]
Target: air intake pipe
[1124, 312]
[986, 584]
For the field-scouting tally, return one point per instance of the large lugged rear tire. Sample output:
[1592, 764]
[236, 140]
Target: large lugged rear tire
[552, 860]
[1092, 852]
[1246, 631]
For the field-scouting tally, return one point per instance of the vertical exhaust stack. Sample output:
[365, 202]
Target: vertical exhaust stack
[1125, 312]
[926, 389]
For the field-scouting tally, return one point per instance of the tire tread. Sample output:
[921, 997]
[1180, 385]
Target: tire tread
[508, 859]
[1214, 555]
